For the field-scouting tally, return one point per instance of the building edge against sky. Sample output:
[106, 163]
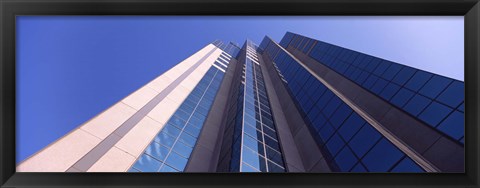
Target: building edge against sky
[300, 105]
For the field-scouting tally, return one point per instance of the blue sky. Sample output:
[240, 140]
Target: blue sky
[70, 68]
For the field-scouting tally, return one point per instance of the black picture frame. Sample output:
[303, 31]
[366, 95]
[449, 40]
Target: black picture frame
[9, 9]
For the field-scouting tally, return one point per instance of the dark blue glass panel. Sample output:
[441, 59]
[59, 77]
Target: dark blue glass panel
[359, 168]
[390, 73]
[335, 144]
[346, 159]
[371, 80]
[326, 97]
[362, 77]
[453, 95]
[381, 68]
[416, 104]
[331, 106]
[379, 85]
[372, 64]
[404, 75]
[274, 168]
[351, 126]
[340, 115]
[364, 140]
[434, 86]
[382, 156]
[418, 80]
[402, 97]
[326, 131]
[453, 125]
[434, 113]
[389, 91]
[462, 107]
[274, 155]
[407, 165]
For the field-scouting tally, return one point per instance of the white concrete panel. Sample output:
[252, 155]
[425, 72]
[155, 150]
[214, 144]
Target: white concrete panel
[115, 160]
[105, 123]
[62, 154]
[160, 83]
[181, 67]
[137, 139]
[163, 111]
[139, 98]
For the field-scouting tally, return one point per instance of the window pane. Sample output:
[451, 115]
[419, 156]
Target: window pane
[402, 97]
[382, 157]
[453, 125]
[453, 95]
[346, 159]
[164, 139]
[434, 86]
[176, 161]
[418, 80]
[157, 151]
[407, 165]
[416, 104]
[182, 149]
[434, 113]
[364, 140]
[147, 164]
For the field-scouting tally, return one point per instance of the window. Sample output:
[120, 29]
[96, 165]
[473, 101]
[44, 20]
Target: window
[453, 125]
[351, 126]
[157, 151]
[147, 164]
[389, 91]
[391, 71]
[382, 156]
[418, 80]
[176, 161]
[364, 140]
[407, 165]
[434, 113]
[434, 86]
[453, 95]
[416, 104]
[402, 97]
[346, 159]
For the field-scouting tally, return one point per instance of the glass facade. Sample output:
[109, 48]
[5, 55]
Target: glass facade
[172, 146]
[255, 146]
[231, 48]
[349, 143]
[436, 100]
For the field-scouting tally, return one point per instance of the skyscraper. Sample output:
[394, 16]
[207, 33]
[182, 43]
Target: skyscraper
[301, 105]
